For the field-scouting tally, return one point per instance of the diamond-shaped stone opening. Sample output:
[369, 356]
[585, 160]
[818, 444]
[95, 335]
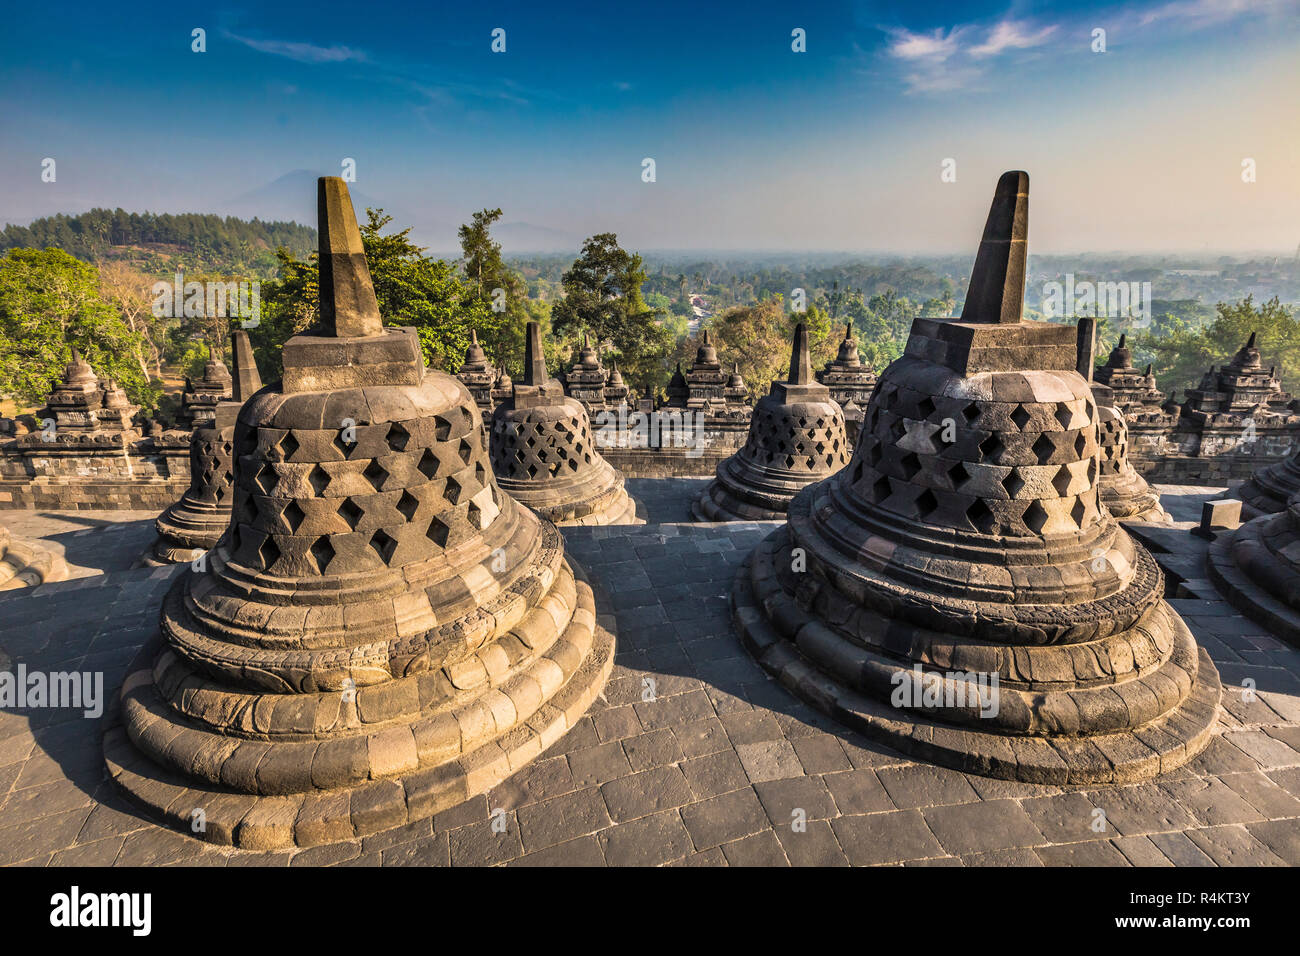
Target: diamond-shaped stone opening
[465, 450]
[991, 449]
[480, 475]
[911, 465]
[438, 532]
[1035, 517]
[1044, 448]
[925, 407]
[1063, 414]
[264, 478]
[980, 517]
[398, 437]
[318, 478]
[351, 513]
[958, 474]
[1020, 417]
[1080, 445]
[287, 446]
[1079, 512]
[322, 552]
[1062, 481]
[856, 475]
[344, 448]
[441, 428]
[882, 489]
[293, 516]
[573, 463]
[428, 465]
[877, 452]
[926, 503]
[532, 471]
[475, 515]
[971, 412]
[407, 505]
[897, 430]
[376, 474]
[268, 553]
[1013, 483]
[453, 491]
[383, 544]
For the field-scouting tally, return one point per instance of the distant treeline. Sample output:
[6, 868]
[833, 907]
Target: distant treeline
[206, 240]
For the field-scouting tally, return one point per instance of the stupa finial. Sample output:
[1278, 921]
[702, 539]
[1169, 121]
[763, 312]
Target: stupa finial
[800, 363]
[996, 292]
[348, 307]
[534, 359]
[245, 381]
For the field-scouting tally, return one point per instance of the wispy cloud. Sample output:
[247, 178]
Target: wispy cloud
[1010, 35]
[936, 45]
[300, 51]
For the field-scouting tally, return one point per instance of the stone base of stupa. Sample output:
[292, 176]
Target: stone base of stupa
[1130, 498]
[1161, 713]
[27, 564]
[499, 710]
[1268, 490]
[728, 499]
[568, 507]
[186, 530]
[1250, 567]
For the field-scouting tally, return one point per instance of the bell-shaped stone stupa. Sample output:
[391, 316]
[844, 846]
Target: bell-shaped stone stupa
[382, 632]
[1123, 491]
[544, 455]
[796, 438]
[957, 591]
[192, 525]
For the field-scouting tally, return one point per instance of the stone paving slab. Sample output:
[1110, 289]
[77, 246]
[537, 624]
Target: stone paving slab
[693, 756]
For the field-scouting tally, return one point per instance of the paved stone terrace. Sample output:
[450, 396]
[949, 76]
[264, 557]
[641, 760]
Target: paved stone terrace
[708, 772]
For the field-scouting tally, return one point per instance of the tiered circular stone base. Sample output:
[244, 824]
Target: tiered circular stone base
[1133, 500]
[185, 530]
[508, 704]
[740, 492]
[852, 683]
[1267, 491]
[1248, 571]
[613, 506]
[26, 564]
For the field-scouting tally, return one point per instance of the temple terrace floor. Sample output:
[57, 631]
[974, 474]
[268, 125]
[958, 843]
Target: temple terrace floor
[692, 757]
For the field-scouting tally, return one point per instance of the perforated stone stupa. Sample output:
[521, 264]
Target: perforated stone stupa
[957, 591]
[192, 525]
[382, 633]
[544, 455]
[796, 437]
[1123, 491]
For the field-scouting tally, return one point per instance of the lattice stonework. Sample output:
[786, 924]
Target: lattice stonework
[1014, 468]
[305, 496]
[798, 440]
[531, 449]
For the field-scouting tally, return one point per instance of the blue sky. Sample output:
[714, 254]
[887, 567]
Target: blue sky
[755, 146]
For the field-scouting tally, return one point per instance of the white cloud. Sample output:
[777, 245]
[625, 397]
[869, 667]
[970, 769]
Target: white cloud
[936, 45]
[1010, 35]
[302, 52]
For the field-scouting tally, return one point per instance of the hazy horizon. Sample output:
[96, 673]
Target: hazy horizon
[758, 150]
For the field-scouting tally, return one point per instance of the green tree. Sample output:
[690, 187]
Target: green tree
[500, 288]
[602, 297]
[51, 303]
